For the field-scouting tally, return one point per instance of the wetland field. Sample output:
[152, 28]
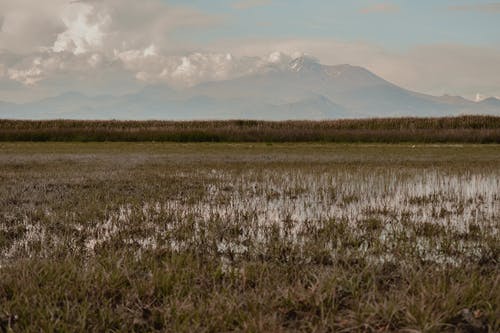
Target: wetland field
[254, 237]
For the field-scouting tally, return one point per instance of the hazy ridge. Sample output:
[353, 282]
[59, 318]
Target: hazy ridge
[304, 89]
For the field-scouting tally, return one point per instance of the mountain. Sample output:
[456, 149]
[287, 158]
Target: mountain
[305, 89]
[492, 101]
[455, 100]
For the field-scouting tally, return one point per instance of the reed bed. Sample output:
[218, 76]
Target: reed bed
[471, 129]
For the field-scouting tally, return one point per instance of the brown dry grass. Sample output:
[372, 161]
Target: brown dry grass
[143, 237]
[472, 129]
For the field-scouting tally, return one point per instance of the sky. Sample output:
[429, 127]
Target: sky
[118, 46]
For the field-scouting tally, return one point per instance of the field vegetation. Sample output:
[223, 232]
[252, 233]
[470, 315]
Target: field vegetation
[471, 129]
[249, 237]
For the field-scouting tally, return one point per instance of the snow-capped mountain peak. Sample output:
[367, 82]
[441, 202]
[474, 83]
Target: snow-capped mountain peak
[304, 63]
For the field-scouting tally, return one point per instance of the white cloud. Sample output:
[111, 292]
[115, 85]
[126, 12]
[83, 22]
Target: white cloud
[200, 67]
[150, 51]
[189, 69]
[34, 68]
[28, 76]
[94, 25]
[130, 25]
[47, 40]
[147, 65]
[278, 57]
[81, 35]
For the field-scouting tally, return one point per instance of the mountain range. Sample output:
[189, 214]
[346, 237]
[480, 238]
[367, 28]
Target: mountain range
[303, 89]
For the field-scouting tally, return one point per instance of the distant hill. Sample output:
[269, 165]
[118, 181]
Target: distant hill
[305, 89]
